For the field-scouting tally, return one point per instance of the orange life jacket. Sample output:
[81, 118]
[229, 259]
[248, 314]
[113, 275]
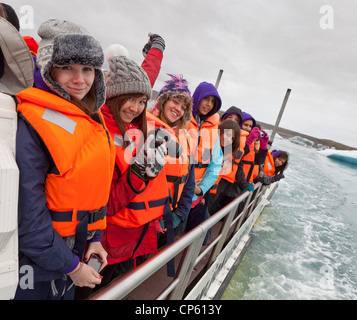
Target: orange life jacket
[229, 169]
[231, 176]
[176, 169]
[203, 140]
[83, 153]
[250, 169]
[269, 165]
[148, 205]
[243, 138]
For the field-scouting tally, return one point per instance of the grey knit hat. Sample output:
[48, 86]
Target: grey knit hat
[125, 76]
[64, 43]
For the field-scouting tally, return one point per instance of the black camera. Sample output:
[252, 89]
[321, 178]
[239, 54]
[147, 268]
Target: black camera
[174, 149]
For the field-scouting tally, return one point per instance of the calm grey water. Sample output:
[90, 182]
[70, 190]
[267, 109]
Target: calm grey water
[305, 243]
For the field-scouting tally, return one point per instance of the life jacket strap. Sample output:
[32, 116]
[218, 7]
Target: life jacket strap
[152, 204]
[66, 216]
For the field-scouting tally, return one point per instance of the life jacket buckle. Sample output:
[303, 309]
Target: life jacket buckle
[95, 215]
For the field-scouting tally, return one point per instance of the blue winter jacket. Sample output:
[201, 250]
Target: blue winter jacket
[40, 245]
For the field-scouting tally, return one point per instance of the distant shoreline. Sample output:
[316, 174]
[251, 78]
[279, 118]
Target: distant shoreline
[285, 133]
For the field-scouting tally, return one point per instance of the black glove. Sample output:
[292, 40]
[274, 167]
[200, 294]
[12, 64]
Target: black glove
[264, 179]
[155, 41]
[150, 159]
[278, 177]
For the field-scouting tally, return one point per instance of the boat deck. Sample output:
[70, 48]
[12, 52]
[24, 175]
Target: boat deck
[197, 262]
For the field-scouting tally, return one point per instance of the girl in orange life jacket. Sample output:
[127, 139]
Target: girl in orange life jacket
[137, 196]
[66, 158]
[230, 187]
[173, 107]
[275, 164]
[253, 158]
[208, 158]
[229, 141]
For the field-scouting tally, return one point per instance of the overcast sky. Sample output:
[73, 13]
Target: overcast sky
[264, 48]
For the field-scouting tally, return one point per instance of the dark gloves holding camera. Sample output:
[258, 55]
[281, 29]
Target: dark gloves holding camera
[155, 41]
[150, 159]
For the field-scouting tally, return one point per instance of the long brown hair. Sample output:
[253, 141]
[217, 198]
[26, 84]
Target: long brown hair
[234, 126]
[285, 156]
[114, 104]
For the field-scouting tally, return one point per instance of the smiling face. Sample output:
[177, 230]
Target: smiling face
[174, 110]
[206, 105]
[132, 108]
[279, 161]
[76, 79]
[247, 125]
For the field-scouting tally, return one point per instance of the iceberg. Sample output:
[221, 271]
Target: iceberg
[302, 141]
[349, 156]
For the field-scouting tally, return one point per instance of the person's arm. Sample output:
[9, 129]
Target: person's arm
[38, 240]
[153, 52]
[120, 192]
[214, 167]
[260, 156]
[240, 178]
[184, 204]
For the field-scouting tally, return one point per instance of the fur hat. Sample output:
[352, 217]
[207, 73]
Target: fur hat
[125, 76]
[64, 43]
[176, 87]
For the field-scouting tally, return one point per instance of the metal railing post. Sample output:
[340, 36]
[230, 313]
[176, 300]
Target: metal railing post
[244, 211]
[224, 232]
[186, 267]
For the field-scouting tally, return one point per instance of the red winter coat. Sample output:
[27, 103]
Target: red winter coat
[120, 242]
[152, 64]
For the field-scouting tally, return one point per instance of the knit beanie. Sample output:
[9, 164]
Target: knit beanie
[175, 88]
[64, 43]
[125, 76]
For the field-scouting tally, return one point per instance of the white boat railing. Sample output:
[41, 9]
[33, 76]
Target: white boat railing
[190, 245]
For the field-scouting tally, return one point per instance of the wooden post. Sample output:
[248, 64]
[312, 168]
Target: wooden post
[279, 117]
